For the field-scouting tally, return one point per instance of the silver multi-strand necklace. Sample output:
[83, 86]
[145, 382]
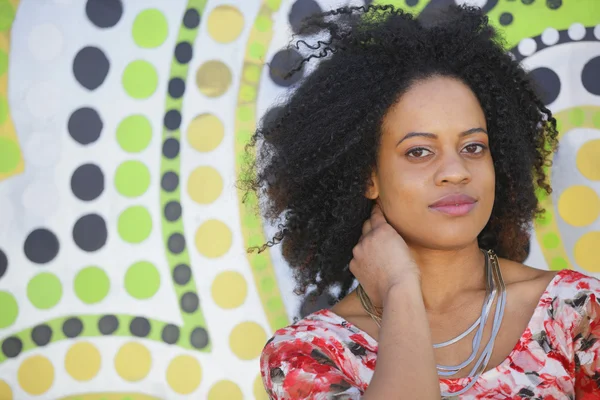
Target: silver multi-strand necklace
[494, 287]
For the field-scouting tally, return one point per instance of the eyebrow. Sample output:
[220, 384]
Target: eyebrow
[434, 136]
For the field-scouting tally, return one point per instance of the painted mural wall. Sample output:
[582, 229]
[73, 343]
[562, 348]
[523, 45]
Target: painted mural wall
[123, 270]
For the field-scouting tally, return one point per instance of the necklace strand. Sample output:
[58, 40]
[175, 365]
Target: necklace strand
[494, 286]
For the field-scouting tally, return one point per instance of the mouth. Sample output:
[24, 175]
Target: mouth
[455, 205]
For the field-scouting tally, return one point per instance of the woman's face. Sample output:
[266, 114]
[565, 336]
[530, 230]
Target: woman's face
[435, 176]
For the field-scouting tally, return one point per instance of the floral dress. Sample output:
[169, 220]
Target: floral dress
[325, 357]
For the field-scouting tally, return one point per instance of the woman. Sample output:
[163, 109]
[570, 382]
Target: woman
[409, 161]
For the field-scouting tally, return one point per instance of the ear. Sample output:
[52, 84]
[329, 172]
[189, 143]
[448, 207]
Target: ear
[372, 191]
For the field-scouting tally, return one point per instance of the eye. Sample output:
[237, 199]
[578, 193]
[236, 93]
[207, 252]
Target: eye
[474, 148]
[419, 152]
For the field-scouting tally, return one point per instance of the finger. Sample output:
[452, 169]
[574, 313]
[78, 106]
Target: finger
[366, 228]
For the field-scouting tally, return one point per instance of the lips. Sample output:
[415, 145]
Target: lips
[454, 204]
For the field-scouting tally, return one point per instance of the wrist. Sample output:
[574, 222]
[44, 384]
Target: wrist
[407, 284]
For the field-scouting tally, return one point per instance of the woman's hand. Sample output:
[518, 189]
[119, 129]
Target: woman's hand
[381, 258]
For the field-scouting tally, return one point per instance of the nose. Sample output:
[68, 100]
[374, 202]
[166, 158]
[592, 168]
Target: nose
[452, 169]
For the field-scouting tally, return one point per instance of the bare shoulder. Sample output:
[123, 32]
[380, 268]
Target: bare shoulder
[524, 280]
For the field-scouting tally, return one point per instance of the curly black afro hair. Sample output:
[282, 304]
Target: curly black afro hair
[314, 159]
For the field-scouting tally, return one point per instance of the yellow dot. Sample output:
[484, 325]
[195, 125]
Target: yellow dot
[259, 389]
[5, 391]
[586, 251]
[205, 132]
[213, 239]
[247, 340]
[213, 78]
[133, 361]
[36, 375]
[225, 390]
[205, 185]
[229, 289]
[579, 205]
[588, 161]
[82, 361]
[225, 24]
[184, 374]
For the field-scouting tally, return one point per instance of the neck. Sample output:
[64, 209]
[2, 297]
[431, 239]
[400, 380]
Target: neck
[446, 274]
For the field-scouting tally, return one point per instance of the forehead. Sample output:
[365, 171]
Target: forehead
[436, 105]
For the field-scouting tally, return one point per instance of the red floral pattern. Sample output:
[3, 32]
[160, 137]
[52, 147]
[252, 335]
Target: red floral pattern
[324, 357]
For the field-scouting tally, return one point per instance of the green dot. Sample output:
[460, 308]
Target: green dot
[559, 125]
[134, 133]
[260, 262]
[142, 280]
[132, 178]
[44, 290]
[10, 155]
[91, 285]
[3, 62]
[245, 113]
[544, 219]
[274, 304]
[577, 116]
[10, 309]
[140, 79]
[263, 23]
[7, 15]
[273, 4]
[280, 322]
[558, 263]
[252, 73]
[596, 120]
[244, 135]
[150, 29]
[247, 93]
[135, 224]
[551, 241]
[267, 285]
[257, 50]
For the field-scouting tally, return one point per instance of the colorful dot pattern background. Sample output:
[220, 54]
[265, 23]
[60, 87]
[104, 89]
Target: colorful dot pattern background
[123, 271]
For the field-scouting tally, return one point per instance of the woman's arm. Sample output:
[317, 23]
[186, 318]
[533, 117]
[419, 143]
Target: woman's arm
[405, 361]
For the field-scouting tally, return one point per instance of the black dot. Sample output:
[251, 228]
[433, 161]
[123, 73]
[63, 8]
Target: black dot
[104, 13]
[170, 148]
[172, 120]
[172, 211]
[189, 302]
[183, 52]
[41, 246]
[41, 335]
[139, 327]
[191, 18]
[176, 88]
[90, 233]
[12, 346]
[176, 243]
[90, 67]
[87, 182]
[182, 274]
[282, 64]
[506, 19]
[72, 327]
[300, 11]
[170, 334]
[199, 338]
[108, 324]
[590, 76]
[85, 125]
[527, 2]
[553, 4]
[313, 303]
[547, 83]
[412, 3]
[3, 263]
[169, 181]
